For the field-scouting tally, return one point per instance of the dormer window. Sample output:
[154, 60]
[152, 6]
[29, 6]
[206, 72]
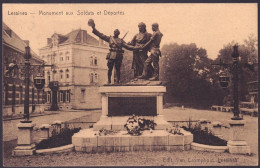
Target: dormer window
[55, 40]
[8, 32]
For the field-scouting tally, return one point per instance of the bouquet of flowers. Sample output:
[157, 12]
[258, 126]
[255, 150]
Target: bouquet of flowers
[104, 132]
[135, 125]
[174, 130]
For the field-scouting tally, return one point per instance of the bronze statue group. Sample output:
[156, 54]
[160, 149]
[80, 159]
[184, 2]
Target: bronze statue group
[145, 67]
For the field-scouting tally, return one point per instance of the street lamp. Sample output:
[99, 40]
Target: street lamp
[224, 79]
[236, 143]
[39, 80]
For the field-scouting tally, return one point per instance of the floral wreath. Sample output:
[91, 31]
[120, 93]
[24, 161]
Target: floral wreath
[135, 125]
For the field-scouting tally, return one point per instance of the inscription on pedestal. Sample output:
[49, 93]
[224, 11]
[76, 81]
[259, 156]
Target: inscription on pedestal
[141, 106]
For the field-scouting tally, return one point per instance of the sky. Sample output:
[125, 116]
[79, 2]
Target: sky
[208, 25]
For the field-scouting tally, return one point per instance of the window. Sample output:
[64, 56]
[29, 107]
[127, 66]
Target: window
[61, 74]
[61, 96]
[91, 60]
[48, 97]
[67, 56]
[96, 77]
[82, 95]
[67, 73]
[67, 96]
[61, 58]
[95, 61]
[54, 75]
[91, 78]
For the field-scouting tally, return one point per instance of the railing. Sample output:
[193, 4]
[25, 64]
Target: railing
[57, 128]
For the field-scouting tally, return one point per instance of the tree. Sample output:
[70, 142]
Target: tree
[187, 71]
[248, 55]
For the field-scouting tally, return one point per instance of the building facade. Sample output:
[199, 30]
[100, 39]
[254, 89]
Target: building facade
[13, 81]
[79, 67]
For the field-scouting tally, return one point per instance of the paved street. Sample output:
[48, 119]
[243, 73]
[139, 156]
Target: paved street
[171, 114]
[10, 127]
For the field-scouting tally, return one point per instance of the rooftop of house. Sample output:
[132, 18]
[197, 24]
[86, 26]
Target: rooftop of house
[10, 38]
[75, 36]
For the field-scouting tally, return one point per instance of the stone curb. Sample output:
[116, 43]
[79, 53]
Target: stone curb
[16, 118]
[210, 148]
[66, 148]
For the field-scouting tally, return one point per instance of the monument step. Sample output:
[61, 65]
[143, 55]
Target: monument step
[87, 141]
[118, 122]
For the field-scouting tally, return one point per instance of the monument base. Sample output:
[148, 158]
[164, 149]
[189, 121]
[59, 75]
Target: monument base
[118, 122]
[237, 143]
[87, 141]
[24, 150]
[238, 147]
[25, 145]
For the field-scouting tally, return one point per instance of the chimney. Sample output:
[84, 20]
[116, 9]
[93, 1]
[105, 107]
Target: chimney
[27, 42]
[49, 41]
[82, 36]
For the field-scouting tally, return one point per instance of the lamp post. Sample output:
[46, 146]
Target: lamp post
[25, 145]
[224, 79]
[27, 66]
[39, 80]
[234, 71]
[236, 143]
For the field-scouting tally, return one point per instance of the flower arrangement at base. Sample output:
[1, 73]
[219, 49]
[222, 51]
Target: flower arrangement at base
[104, 132]
[174, 130]
[135, 125]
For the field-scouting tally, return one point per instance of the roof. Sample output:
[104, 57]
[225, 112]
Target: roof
[78, 36]
[14, 40]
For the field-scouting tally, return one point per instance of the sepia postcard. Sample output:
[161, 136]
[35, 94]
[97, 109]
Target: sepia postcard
[129, 84]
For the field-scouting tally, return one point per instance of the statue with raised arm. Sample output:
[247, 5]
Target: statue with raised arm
[153, 45]
[115, 55]
[139, 56]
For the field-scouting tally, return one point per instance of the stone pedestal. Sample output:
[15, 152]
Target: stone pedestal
[216, 128]
[204, 123]
[121, 102]
[45, 128]
[237, 143]
[25, 145]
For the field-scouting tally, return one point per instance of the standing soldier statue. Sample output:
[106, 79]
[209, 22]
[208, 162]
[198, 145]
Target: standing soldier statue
[139, 56]
[115, 55]
[154, 47]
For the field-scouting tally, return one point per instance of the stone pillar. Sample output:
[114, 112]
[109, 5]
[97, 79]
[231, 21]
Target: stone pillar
[159, 104]
[45, 131]
[204, 123]
[237, 143]
[104, 105]
[161, 123]
[217, 129]
[25, 145]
